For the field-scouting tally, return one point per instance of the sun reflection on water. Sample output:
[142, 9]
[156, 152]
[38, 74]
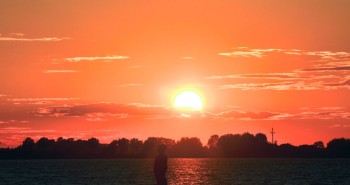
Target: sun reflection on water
[191, 171]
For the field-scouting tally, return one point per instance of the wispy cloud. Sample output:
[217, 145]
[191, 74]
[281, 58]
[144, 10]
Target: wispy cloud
[259, 53]
[324, 108]
[41, 99]
[13, 121]
[110, 109]
[22, 130]
[45, 39]
[286, 83]
[97, 58]
[244, 115]
[104, 116]
[61, 71]
[274, 86]
[340, 68]
[322, 113]
[95, 119]
[345, 83]
[340, 126]
[307, 113]
[17, 34]
[327, 55]
[325, 115]
[246, 52]
[243, 54]
[275, 76]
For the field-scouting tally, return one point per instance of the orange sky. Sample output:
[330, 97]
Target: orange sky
[109, 69]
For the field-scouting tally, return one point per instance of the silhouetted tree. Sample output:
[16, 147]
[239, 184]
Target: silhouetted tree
[247, 138]
[112, 149]
[135, 147]
[261, 147]
[246, 145]
[212, 149]
[260, 138]
[92, 147]
[213, 141]
[123, 147]
[28, 143]
[149, 148]
[189, 147]
[228, 144]
[339, 148]
[93, 142]
[319, 144]
[66, 148]
[27, 148]
[45, 147]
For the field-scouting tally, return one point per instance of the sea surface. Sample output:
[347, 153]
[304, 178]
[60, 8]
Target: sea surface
[181, 171]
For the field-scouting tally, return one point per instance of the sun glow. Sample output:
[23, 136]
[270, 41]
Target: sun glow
[188, 100]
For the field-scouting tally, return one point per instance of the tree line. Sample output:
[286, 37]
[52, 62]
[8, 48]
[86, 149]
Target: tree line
[226, 146]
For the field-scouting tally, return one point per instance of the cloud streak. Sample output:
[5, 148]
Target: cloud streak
[104, 109]
[345, 83]
[45, 39]
[97, 58]
[38, 101]
[17, 34]
[307, 113]
[273, 76]
[22, 130]
[246, 52]
[274, 86]
[340, 68]
[61, 71]
[259, 53]
[243, 115]
[340, 126]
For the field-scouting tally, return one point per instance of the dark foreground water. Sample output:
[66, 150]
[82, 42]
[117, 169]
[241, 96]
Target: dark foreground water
[181, 171]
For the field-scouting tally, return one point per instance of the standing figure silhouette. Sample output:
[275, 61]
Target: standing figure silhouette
[161, 166]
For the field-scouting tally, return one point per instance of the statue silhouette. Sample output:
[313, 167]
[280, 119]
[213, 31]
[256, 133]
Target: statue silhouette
[161, 166]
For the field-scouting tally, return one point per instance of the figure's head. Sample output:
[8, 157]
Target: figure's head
[162, 148]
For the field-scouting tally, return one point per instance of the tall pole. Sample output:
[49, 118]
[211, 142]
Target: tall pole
[272, 133]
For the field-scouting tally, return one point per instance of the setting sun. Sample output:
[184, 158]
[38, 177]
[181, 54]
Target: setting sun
[188, 100]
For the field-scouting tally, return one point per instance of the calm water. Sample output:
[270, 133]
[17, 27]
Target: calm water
[181, 171]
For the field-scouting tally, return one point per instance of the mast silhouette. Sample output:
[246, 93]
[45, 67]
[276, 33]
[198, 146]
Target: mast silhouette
[272, 133]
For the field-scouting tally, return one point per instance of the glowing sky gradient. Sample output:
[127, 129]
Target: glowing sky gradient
[109, 69]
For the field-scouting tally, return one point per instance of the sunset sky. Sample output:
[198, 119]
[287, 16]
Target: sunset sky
[111, 68]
